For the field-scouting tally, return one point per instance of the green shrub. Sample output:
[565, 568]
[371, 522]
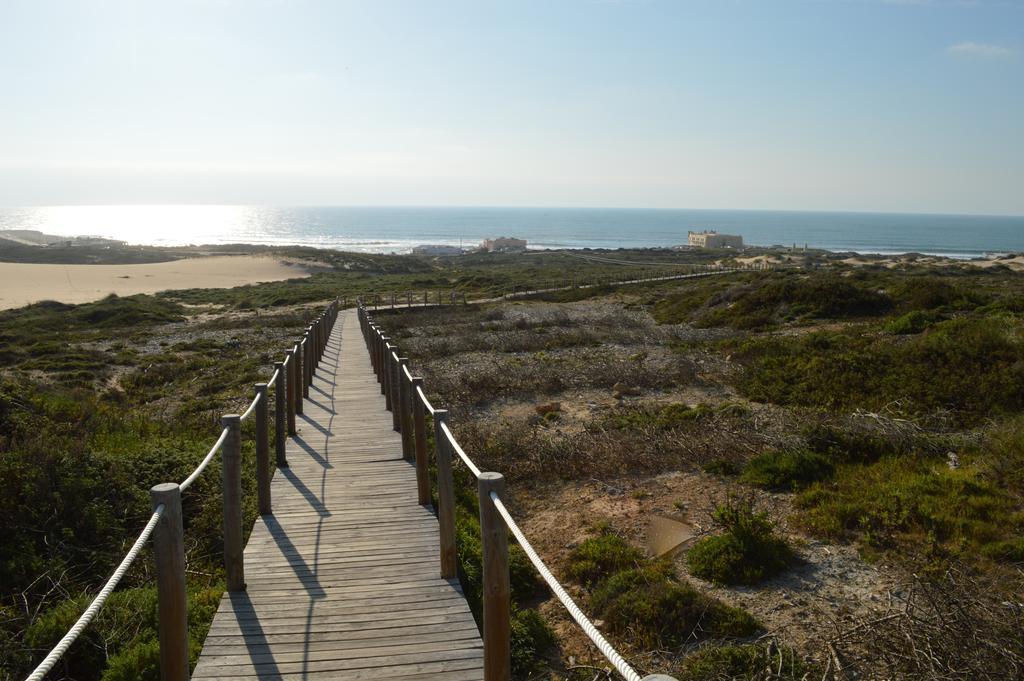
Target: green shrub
[746, 662]
[723, 467]
[896, 499]
[748, 552]
[973, 367]
[598, 558]
[758, 302]
[1006, 551]
[139, 661]
[648, 604]
[856, 445]
[931, 293]
[531, 639]
[786, 470]
[912, 322]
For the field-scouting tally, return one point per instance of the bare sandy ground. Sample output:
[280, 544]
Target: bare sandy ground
[24, 283]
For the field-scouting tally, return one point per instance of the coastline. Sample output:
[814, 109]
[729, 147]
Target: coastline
[26, 283]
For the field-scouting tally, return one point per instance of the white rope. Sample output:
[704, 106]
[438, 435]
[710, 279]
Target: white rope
[426, 402]
[245, 414]
[458, 450]
[273, 378]
[206, 462]
[285, 362]
[46, 665]
[588, 627]
[407, 374]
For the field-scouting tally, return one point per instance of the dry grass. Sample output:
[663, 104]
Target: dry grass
[956, 626]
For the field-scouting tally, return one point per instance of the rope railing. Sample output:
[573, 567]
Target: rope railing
[252, 407]
[407, 400]
[169, 544]
[83, 621]
[187, 482]
[458, 450]
[588, 627]
[423, 399]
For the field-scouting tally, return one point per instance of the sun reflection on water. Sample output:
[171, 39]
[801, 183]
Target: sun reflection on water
[158, 225]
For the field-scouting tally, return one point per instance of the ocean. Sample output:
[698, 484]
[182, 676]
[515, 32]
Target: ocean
[387, 230]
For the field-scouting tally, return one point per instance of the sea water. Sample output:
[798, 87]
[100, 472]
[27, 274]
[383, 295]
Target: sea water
[398, 230]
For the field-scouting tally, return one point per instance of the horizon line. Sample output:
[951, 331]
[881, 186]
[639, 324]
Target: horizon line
[834, 211]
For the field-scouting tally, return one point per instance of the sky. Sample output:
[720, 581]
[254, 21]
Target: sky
[863, 105]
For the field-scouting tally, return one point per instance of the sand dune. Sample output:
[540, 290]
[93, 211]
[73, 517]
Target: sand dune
[24, 283]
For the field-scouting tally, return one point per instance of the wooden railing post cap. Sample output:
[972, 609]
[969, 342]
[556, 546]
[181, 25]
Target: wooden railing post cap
[261, 387]
[228, 419]
[159, 492]
[492, 482]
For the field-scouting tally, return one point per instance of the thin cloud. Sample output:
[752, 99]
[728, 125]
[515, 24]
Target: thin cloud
[972, 49]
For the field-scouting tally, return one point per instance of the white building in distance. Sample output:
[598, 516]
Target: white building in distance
[503, 244]
[710, 239]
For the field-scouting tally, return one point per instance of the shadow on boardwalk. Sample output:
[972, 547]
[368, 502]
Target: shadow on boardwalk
[343, 580]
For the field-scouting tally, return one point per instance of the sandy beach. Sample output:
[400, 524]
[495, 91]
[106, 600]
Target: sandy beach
[24, 283]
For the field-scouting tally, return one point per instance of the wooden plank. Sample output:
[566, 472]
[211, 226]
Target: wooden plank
[343, 580]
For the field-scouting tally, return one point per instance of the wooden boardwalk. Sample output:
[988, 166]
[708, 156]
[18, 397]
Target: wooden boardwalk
[342, 580]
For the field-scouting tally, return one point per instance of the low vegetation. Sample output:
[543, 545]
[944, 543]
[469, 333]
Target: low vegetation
[748, 551]
[880, 407]
[99, 402]
[644, 602]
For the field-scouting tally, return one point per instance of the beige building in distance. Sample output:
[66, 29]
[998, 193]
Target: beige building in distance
[503, 244]
[709, 239]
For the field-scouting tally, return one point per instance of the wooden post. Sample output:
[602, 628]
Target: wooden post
[172, 608]
[280, 411]
[312, 352]
[262, 450]
[404, 402]
[291, 392]
[445, 497]
[310, 358]
[307, 362]
[231, 479]
[321, 331]
[385, 373]
[419, 415]
[497, 606]
[300, 376]
[395, 388]
[375, 334]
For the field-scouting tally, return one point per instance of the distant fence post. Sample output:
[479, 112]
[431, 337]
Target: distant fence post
[445, 496]
[172, 608]
[497, 606]
[300, 374]
[231, 479]
[280, 408]
[385, 383]
[290, 392]
[262, 450]
[394, 386]
[419, 416]
[404, 402]
[307, 361]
